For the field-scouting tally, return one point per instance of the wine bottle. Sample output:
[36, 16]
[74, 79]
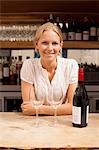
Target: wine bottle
[71, 31]
[93, 31]
[6, 70]
[78, 31]
[13, 71]
[51, 18]
[58, 23]
[98, 32]
[18, 68]
[64, 31]
[85, 29]
[1, 70]
[14, 109]
[80, 103]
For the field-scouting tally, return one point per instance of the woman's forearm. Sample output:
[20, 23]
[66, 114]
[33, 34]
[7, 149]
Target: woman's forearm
[64, 109]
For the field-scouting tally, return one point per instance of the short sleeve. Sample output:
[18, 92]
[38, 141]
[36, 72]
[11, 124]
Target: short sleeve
[73, 72]
[27, 71]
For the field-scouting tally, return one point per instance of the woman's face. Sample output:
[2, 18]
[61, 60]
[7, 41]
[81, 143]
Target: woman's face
[49, 45]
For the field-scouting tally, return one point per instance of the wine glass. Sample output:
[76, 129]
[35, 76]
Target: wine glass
[55, 102]
[36, 103]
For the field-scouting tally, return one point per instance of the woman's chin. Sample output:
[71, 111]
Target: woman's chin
[50, 58]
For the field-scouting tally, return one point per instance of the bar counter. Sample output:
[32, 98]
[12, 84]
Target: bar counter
[18, 131]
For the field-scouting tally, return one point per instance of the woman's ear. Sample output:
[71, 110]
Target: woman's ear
[60, 52]
[36, 45]
[61, 44]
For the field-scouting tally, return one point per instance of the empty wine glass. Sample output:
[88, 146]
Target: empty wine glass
[55, 102]
[36, 102]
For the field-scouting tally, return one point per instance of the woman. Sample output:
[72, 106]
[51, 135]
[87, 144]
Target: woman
[48, 72]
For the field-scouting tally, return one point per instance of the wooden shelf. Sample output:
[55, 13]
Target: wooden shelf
[81, 44]
[67, 45]
[16, 45]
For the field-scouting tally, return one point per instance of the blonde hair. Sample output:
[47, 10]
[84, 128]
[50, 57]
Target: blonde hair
[45, 27]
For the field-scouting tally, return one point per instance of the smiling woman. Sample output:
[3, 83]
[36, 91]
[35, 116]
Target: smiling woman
[50, 74]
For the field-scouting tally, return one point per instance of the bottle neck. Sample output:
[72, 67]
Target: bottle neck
[81, 75]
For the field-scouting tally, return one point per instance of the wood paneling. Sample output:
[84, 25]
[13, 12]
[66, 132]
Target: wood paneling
[39, 10]
[28, 6]
[67, 45]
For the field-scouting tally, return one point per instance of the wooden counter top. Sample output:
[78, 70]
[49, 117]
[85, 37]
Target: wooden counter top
[19, 131]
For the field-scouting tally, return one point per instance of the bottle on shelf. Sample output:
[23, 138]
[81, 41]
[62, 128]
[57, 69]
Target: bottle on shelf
[80, 106]
[18, 68]
[14, 108]
[78, 31]
[51, 18]
[64, 31]
[98, 32]
[93, 30]
[71, 31]
[85, 29]
[58, 23]
[1, 70]
[13, 72]
[6, 70]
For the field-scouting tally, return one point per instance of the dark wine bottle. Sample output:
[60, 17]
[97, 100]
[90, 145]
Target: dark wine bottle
[51, 18]
[1, 70]
[6, 70]
[58, 22]
[71, 31]
[93, 30]
[98, 32]
[64, 31]
[78, 31]
[18, 68]
[80, 103]
[85, 29]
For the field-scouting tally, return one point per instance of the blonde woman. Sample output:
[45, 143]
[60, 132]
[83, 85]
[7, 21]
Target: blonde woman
[49, 71]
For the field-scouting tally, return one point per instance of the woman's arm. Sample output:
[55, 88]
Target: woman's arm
[64, 109]
[27, 109]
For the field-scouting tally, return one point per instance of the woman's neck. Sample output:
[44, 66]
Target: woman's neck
[50, 67]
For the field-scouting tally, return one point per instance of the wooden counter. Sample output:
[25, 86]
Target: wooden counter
[19, 131]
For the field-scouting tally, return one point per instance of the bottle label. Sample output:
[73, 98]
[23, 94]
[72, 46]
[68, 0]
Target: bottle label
[71, 36]
[6, 72]
[76, 117]
[93, 31]
[86, 35]
[64, 36]
[78, 36]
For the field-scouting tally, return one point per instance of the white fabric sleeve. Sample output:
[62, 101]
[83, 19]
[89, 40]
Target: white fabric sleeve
[73, 72]
[27, 71]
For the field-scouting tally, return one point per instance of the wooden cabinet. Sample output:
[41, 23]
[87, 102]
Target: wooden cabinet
[37, 11]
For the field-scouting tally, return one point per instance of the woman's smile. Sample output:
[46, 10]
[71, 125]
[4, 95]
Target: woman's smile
[49, 45]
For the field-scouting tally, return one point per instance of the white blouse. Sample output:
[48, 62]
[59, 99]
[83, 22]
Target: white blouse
[66, 73]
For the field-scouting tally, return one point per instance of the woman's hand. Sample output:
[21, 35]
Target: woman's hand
[27, 108]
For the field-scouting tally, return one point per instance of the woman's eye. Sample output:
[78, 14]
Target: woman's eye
[47, 43]
[44, 43]
[55, 43]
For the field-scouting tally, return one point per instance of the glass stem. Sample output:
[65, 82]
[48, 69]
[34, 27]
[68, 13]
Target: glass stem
[36, 116]
[55, 116]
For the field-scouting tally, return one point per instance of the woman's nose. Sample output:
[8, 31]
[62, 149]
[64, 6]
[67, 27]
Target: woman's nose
[50, 46]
